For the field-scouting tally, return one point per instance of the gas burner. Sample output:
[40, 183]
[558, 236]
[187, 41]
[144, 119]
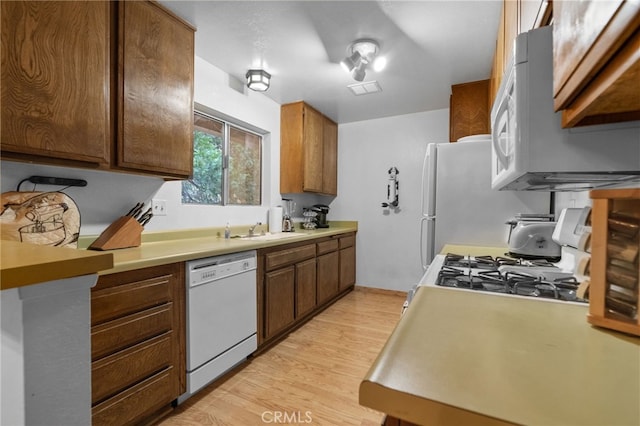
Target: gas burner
[476, 262]
[483, 280]
[454, 277]
[523, 284]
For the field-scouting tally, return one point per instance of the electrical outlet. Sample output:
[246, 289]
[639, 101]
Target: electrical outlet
[159, 207]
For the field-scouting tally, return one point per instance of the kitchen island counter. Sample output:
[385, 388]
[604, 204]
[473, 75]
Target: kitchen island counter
[25, 264]
[462, 357]
[162, 248]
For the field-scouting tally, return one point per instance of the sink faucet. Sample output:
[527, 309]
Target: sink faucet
[252, 228]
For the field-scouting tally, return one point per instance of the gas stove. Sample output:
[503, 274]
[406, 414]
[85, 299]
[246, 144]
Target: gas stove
[503, 275]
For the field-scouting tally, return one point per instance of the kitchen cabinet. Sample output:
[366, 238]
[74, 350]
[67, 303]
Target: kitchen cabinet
[137, 344]
[347, 261]
[596, 61]
[517, 16]
[56, 64]
[155, 99]
[298, 280]
[305, 287]
[85, 85]
[469, 109]
[279, 299]
[308, 150]
[328, 270]
[286, 271]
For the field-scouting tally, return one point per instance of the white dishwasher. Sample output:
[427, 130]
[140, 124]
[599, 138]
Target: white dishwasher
[221, 313]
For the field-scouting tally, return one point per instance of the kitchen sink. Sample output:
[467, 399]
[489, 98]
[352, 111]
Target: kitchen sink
[267, 236]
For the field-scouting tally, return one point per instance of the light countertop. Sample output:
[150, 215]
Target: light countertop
[24, 264]
[168, 247]
[462, 357]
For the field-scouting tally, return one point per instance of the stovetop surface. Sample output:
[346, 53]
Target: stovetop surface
[506, 275]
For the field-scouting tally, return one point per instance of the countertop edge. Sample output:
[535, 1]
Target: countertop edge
[26, 264]
[416, 409]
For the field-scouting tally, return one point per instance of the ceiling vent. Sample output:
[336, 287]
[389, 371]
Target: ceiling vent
[365, 88]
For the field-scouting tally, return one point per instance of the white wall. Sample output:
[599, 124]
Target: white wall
[388, 240]
[110, 195]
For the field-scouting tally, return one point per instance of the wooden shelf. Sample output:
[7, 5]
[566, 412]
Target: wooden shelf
[614, 291]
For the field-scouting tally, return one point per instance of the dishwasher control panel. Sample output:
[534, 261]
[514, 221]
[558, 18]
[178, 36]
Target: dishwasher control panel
[214, 268]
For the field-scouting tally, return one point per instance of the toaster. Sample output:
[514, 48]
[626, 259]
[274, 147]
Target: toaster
[533, 240]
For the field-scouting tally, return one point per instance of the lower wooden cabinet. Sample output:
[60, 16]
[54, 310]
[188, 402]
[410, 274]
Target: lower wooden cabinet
[295, 281]
[347, 261]
[305, 287]
[137, 344]
[328, 276]
[279, 299]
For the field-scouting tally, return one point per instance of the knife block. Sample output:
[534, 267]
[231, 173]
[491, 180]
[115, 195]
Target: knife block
[614, 292]
[125, 232]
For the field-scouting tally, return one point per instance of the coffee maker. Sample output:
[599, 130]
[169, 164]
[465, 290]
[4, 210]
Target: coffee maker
[321, 217]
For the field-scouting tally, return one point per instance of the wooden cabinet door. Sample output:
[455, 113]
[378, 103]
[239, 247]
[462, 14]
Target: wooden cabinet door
[56, 71]
[313, 150]
[469, 109]
[305, 287]
[347, 267]
[155, 126]
[328, 276]
[330, 158]
[596, 65]
[279, 299]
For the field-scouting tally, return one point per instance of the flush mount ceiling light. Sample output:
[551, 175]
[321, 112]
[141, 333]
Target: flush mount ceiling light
[362, 53]
[258, 80]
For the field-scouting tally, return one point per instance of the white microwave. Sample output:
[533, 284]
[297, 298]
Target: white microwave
[530, 149]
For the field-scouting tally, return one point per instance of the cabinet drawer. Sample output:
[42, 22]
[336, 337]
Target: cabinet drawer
[115, 372]
[118, 334]
[327, 246]
[114, 302]
[347, 241]
[286, 257]
[136, 402]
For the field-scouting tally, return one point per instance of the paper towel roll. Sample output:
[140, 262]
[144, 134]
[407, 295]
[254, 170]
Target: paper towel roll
[275, 219]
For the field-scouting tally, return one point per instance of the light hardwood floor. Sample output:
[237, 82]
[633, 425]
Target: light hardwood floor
[311, 377]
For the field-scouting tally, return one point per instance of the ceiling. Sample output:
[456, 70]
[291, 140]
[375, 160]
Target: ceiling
[430, 45]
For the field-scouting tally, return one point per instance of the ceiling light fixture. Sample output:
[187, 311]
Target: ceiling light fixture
[362, 53]
[258, 80]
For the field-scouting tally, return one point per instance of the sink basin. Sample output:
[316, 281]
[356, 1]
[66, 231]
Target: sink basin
[267, 236]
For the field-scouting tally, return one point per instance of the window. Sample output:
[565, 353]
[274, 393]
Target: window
[227, 164]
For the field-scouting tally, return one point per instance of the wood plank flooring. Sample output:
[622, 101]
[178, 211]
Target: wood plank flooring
[311, 377]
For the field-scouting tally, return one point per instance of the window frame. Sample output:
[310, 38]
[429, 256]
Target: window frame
[227, 124]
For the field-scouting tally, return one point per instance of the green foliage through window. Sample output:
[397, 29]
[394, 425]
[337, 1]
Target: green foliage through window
[224, 156]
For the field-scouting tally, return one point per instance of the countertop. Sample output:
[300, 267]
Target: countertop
[24, 264]
[168, 247]
[462, 357]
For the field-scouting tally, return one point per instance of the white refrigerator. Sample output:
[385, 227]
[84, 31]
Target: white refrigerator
[458, 204]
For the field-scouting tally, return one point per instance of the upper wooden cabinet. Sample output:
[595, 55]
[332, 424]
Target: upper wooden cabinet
[105, 85]
[308, 150]
[56, 69]
[469, 109]
[596, 61]
[517, 16]
[155, 100]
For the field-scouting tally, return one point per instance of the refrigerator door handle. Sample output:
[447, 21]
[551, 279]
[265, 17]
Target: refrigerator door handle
[429, 181]
[426, 248]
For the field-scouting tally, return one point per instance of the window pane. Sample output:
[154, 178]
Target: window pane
[208, 141]
[244, 167]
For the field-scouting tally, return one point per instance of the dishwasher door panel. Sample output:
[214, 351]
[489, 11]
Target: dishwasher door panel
[220, 314]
